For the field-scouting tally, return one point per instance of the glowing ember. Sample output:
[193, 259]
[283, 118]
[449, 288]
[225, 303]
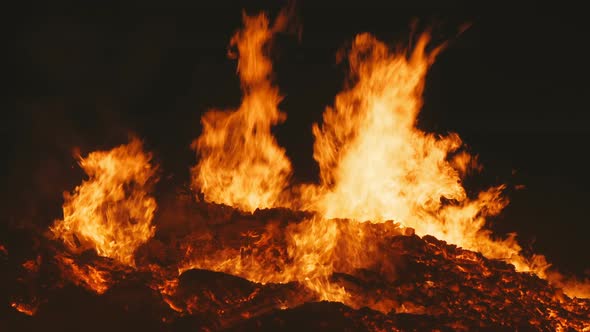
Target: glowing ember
[111, 212]
[24, 308]
[32, 265]
[85, 275]
[240, 162]
[376, 165]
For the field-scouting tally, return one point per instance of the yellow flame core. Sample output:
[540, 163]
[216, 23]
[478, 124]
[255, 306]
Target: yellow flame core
[376, 165]
[240, 162]
[314, 248]
[111, 212]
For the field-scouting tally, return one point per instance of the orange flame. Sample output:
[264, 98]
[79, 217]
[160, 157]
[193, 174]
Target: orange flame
[240, 162]
[85, 275]
[311, 252]
[571, 286]
[376, 165]
[241, 165]
[111, 212]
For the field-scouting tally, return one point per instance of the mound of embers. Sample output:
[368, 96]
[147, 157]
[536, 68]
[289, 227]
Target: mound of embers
[424, 284]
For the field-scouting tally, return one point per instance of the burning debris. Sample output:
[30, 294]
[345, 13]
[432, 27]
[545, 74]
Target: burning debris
[388, 240]
[412, 283]
[111, 212]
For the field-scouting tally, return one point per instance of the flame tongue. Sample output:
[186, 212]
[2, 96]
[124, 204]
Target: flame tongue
[240, 162]
[111, 212]
[376, 165]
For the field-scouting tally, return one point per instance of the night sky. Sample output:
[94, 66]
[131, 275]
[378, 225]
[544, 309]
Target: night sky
[514, 86]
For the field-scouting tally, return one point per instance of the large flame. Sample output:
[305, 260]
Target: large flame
[240, 162]
[376, 165]
[112, 211]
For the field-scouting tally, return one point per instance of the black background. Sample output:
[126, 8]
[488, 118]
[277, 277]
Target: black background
[514, 86]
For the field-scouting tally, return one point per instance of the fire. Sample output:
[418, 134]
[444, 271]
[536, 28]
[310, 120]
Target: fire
[240, 162]
[376, 165]
[241, 165]
[381, 179]
[303, 252]
[111, 212]
[87, 276]
[32, 265]
[572, 286]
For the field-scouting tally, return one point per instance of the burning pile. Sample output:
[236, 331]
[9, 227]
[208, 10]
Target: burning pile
[388, 239]
[412, 282]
